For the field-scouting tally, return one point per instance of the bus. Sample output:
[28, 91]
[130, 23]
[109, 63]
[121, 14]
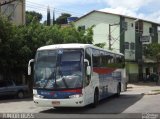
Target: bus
[76, 75]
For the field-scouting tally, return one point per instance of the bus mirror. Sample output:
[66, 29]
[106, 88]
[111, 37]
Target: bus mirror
[86, 61]
[29, 70]
[88, 70]
[29, 66]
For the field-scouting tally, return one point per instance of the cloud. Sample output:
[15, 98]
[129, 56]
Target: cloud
[144, 9]
[58, 3]
[133, 9]
[128, 4]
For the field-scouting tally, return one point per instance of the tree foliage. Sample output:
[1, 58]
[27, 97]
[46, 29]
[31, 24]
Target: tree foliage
[48, 17]
[63, 18]
[6, 36]
[101, 45]
[19, 43]
[152, 50]
[32, 15]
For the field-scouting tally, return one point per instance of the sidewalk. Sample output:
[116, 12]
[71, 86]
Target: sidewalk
[147, 88]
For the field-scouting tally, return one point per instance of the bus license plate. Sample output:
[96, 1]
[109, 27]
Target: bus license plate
[55, 103]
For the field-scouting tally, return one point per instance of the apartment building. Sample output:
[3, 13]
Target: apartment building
[14, 10]
[124, 34]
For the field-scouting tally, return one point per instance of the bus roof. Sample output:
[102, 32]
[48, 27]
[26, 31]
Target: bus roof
[73, 46]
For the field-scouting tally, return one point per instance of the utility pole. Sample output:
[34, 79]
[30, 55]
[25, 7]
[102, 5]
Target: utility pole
[109, 37]
[53, 17]
[48, 17]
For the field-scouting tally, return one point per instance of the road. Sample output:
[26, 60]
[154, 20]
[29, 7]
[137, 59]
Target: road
[132, 103]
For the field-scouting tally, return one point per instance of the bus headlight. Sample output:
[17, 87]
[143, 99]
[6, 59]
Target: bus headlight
[34, 92]
[76, 96]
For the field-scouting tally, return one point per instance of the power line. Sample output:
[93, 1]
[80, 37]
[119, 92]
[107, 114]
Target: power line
[58, 10]
[37, 4]
[5, 3]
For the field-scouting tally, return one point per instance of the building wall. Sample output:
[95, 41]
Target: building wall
[101, 29]
[15, 11]
[132, 71]
[134, 63]
[158, 36]
[130, 38]
[146, 27]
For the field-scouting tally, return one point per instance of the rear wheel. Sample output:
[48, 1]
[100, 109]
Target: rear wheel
[118, 90]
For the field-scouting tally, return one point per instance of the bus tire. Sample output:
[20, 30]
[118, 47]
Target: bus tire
[118, 90]
[96, 98]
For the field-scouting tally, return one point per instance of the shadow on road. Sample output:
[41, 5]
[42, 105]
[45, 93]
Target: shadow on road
[150, 84]
[111, 105]
[11, 99]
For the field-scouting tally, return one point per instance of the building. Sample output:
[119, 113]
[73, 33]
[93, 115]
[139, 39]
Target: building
[14, 10]
[124, 34]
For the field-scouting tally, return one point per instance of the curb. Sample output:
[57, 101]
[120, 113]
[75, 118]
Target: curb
[151, 93]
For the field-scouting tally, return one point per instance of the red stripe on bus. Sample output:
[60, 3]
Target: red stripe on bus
[73, 90]
[103, 70]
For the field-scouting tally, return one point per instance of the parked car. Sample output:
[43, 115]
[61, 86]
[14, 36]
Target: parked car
[9, 88]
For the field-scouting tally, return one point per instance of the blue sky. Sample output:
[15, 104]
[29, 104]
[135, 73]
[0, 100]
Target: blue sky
[145, 9]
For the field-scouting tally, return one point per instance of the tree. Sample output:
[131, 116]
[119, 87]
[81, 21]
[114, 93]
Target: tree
[152, 50]
[101, 45]
[63, 18]
[6, 35]
[30, 15]
[48, 17]
[19, 43]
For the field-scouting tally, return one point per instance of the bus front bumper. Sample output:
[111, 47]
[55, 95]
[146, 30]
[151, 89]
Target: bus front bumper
[73, 102]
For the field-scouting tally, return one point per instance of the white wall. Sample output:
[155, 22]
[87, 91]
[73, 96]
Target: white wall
[158, 36]
[130, 37]
[101, 22]
[146, 27]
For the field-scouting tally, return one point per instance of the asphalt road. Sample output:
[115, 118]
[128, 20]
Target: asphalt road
[131, 104]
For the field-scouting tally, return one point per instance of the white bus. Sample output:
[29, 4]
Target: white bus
[75, 75]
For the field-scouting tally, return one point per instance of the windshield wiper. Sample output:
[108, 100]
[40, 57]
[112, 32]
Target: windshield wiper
[52, 76]
[65, 83]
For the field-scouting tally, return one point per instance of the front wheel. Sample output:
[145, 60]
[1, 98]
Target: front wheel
[96, 99]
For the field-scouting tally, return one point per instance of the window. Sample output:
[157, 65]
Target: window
[132, 46]
[139, 26]
[119, 62]
[126, 45]
[158, 28]
[80, 28]
[96, 58]
[88, 57]
[132, 25]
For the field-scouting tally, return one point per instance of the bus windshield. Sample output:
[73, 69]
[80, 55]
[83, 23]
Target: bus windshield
[58, 69]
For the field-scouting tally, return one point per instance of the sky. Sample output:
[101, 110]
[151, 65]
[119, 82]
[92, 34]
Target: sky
[144, 9]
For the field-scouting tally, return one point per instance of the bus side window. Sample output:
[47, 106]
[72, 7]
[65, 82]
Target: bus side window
[96, 58]
[88, 57]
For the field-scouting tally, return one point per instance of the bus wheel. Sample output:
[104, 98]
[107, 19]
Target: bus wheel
[118, 90]
[96, 98]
